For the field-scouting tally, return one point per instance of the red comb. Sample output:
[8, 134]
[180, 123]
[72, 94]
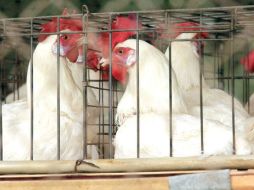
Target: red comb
[188, 27]
[73, 24]
[120, 23]
[248, 62]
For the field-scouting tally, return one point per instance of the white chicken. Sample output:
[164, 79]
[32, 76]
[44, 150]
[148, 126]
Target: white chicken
[153, 87]
[186, 68]
[217, 104]
[16, 116]
[154, 110]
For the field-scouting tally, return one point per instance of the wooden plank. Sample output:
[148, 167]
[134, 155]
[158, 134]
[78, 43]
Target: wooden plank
[89, 184]
[241, 180]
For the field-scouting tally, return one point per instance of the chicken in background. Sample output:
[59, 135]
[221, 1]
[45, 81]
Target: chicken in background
[248, 63]
[154, 110]
[16, 116]
[217, 104]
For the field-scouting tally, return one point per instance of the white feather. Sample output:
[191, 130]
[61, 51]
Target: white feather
[154, 114]
[155, 133]
[153, 84]
[217, 104]
[16, 116]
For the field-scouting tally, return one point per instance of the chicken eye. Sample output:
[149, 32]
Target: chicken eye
[120, 51]
[65, 37]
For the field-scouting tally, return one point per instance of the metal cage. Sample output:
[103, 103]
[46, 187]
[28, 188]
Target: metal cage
[230, 38]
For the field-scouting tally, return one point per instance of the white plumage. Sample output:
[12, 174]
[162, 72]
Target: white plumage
[154, 115]
[16, 116]
[153, 84]
[186, 137]
[217, 104]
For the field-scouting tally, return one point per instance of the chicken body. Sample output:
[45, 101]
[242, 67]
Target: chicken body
[217, 104]
[16, 129]
[186, 137]
[153, 84]
[154, 112]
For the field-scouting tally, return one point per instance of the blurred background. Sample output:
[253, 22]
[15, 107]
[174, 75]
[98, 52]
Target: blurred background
[28, 8]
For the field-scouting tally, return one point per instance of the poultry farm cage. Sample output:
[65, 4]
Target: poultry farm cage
[227, 39]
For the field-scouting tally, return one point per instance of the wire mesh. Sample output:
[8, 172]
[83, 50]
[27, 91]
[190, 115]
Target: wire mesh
[229, 38]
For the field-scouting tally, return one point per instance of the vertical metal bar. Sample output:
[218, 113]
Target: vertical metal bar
[201, 63]
[170, 90]
[137, 66]
[58, 91]
[244, 89]
[222, 72]
[215, 62]
[1, 114]
[85, 80]
[31, 95]
[248, 92]
[219, 61]
[244, 84]
[248, 82]
[113, 106]
[110, 89]
[170, 102]
[232, 77]
[228, 77]
[15, 77]
[100, 125]
[102, 118]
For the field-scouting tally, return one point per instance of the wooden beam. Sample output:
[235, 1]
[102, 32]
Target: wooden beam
[128, 165]
[241, 180]
[88, 184]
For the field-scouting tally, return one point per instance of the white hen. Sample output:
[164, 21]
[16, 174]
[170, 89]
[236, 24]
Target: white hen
[217, 104]
[16, 129]
[153, 81]
[154, 110]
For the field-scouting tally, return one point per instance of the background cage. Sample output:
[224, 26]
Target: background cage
[230, 38]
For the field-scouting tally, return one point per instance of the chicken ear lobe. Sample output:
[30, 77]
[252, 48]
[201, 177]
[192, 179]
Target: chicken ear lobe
[131, 58]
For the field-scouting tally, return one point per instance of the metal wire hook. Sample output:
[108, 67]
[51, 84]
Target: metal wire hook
[85, 9]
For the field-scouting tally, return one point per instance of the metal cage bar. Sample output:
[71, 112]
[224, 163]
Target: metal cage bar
[1, 103]
[110, 91]
[232, 82]
[31, 96]
[85, 13]
[220, 23]
[58, 92]
[138, 82]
